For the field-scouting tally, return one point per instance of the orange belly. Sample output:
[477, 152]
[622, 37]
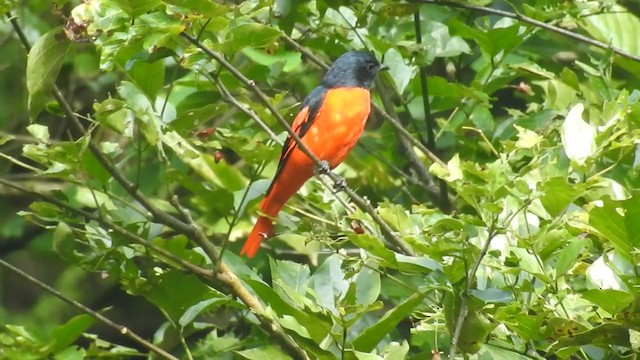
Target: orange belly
[339, 124]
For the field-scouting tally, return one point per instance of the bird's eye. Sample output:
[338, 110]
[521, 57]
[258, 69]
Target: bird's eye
[371, 67]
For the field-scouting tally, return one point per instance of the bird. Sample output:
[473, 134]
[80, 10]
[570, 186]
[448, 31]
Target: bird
[330, 122]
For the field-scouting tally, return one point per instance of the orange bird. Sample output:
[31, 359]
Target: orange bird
[330, 122]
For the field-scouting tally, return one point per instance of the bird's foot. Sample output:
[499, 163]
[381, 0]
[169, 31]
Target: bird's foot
[339, 185]
[323, 167]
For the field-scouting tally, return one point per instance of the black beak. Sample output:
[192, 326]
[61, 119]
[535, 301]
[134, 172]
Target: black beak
[383, 67]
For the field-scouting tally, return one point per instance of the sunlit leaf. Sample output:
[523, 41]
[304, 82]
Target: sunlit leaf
[43, 65]
[578, 137]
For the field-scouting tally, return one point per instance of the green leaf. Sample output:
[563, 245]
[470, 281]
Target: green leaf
[271, 352]
[399, 10]
[397, 218]
[603, 335]
[570, 254]
[206, 8]
[39, 132]
[329, 282]
[490, 352]
[250, 35]
[290, 60]
[317, 325]
[373, 245]
[611, 225]
[135, 8]
[72, 353]
[43, 66]
[195, 310]
[612, 301]
[617, 26]
[294, 275]
[371, 336]
[66, 334]
[558, 194]
[148, 76]
[399, 71]
[441, 44]
[175, 291]
[367, 286]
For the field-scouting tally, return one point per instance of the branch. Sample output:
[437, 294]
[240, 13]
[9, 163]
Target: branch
[428, 117]
[96, 315]
[224, 274]
[464, 309]
[197, 270]
[534, 22]
[387, 232]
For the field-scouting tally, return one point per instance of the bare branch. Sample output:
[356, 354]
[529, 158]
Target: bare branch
[96, 315]
[534, 22]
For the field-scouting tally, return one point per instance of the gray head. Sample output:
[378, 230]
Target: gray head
[353, 69]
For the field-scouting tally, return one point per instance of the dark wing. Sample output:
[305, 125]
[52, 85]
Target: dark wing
[301, 124]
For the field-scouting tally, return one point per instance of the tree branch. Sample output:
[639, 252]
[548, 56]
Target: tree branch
[197, 270]
[96, 315]
[534, 22]
[428, 117]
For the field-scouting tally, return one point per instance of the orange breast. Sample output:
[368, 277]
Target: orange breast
[339, 124]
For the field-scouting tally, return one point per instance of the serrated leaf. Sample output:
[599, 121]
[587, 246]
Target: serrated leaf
[43, 66]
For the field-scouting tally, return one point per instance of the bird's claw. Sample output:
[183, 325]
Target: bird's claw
[339, 185]
[323, 167]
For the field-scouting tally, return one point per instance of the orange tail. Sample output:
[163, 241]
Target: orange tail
[261, 230]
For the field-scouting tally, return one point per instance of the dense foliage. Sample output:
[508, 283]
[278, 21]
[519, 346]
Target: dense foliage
[137, 137]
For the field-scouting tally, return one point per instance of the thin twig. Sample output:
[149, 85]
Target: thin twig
[428, 117]
[387, 232]
[96, 315]
[464, 309]
[418, 167]
[534, 22]
[197, 270]
[230, 98]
